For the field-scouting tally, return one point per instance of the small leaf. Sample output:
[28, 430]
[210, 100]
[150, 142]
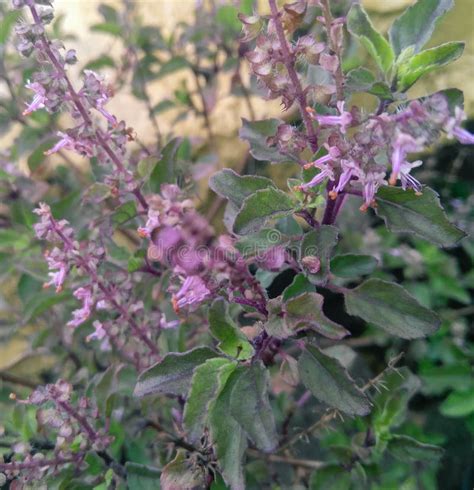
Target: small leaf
[175, 64]
[207, 382]
[165, 169]
[359, 24]
[352, 265]
[231, 340]
[425, 62]
[183, 473]
[250, 407]
[392, 308]
[172, 375]
[306, 311]
[261, 206]
[257, 134]
[234, 187]
[331, 477]
[410, 450]
[257, 243]
[124, 213]
[458, 404]
[228, 437]
[318, 243]
[329, 382]
[404, 211]
[413, 29]
[359, 80]
[299, 285]
[142, 477]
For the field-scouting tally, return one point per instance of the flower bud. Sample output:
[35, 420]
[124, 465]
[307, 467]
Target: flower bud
[311, 264]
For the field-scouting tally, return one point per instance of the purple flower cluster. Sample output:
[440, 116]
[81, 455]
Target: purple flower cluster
[97, 293]
[53, 91]
[182, 240]
[69, 422]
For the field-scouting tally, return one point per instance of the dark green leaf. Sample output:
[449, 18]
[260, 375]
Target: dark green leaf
[257, 134]
[299, 285]
[329, 382]
[319, 244]
[257, 243]
[359, 24]
[141, 477]
[172, 375]
[306, 311]
[405, 211]
[250, 407]
[352, 265]
[413, 29]
[164, 171]
[331, 477]
[231, 340]
[438, 379]
[206, 384]
[392, 308]
[228, 437]
[124, 213]
[426, 61]
[359, 80]
[234, 187]
[410, 450]
[261, 206]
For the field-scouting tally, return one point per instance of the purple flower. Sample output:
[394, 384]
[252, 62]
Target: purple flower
[407, 179]
[371, 182]
[83, 147]
[344, 120]
[39, 98]
[349, 169]
[402, 145]
[80, 315]
[193, 291]
[455, 130]
[58, 269]
[326, 173]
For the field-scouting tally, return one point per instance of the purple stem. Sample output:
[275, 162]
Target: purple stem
[289, 62]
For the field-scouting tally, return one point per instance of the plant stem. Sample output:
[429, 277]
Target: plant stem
[289, 62]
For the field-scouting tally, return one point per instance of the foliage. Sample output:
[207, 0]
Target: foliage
[167, 355]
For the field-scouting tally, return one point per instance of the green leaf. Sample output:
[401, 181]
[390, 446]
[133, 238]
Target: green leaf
[261, 206]
[231, 340]
[330, 383]
[236, 188]
[405, 211]
[207, 382]
[392, 308]
[359, 25]
[141, 477]
[353, 265]
[257, 243]
[319, 244]
[410, 450]
[299, 285]
[183, 473]
[425, 62]
[331, 477]
[392, 402]
[228, 437]
[360, 80]
[124, 213]
[413, 29]
[250, 407]
[107, 28]
[458, 404]
[437, 379]
[171, 66]
[306, 311]
[226, 16]
[172, 375]
[164, 171]
[257, 134]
